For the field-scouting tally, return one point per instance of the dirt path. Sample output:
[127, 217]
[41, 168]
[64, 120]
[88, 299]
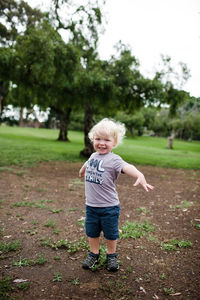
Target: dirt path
[42, 206]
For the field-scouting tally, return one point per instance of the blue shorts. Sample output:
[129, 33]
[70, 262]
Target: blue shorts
[104, 219]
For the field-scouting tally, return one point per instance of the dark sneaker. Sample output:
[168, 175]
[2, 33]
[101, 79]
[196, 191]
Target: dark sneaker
[112, 264]
[90, 261]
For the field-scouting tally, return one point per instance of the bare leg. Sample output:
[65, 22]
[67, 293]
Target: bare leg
[94, 245]
[111, 246]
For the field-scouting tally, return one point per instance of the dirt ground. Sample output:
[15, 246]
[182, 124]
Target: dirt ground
[43, 205]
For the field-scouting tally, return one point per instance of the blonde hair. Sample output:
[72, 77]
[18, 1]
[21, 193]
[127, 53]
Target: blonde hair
[108, 127]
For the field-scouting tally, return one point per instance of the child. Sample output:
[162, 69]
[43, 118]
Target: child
[102, 203]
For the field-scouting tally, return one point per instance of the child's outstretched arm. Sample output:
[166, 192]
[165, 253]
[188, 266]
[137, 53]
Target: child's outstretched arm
[82, 171]
[133, 172]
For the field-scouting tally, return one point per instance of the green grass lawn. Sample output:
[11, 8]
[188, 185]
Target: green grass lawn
[26, 146]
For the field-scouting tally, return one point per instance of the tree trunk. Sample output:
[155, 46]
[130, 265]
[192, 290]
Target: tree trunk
[1, 104]
[1, 108]
[171, 140]
[88, 150]
[21, 119]
[64, 123]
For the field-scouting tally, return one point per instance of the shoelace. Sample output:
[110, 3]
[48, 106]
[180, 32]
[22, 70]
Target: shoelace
[112, 263]
[90, 259]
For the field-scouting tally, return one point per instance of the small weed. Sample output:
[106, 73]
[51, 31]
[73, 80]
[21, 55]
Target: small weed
[76, 281]
[116, 290]
[81, 222]
[72, 209]
[23, 286]
[29, 204]
[129, 269]
[35, 222]
[184, 204]
[148, 279]
[175, 244]
[142, 210]
[40, 189]
[45, 241]
[56, 211]
[57, 277]
[56, 257]
[47, 201]
[50, 223]
[5, 287]
[169, 291]
[20, 173]
[32, 232]
[72, 247]
[134, 230]
[162, 276]
[23, 262]
[40, 260]
[57, 231]
[196, 225]
[12, 246]
[1, 202]
[152, 238]
[9, 213]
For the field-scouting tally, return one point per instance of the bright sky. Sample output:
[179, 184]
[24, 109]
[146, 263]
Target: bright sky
[152, 28]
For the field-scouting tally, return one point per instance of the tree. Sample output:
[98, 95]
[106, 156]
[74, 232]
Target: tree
[46, 66]
[14, 18]
[173, 82]
[82, 25]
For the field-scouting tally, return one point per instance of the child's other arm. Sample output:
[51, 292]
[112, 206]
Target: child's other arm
[133, 172]
[82, 171]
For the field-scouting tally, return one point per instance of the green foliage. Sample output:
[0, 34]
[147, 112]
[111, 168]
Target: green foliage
[57, 277]
[5, 287]
[175, 244]
[71, 247]
[29, 204]
[15, 16]
[11, 246]
[134, 123]
[134, 230]
[196, 225]
[40, 260]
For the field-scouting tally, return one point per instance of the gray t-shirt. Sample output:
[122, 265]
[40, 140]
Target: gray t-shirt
[101, 172]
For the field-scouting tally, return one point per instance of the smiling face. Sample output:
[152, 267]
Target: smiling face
[103, 144]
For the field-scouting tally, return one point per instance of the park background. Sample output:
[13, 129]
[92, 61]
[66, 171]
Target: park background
[54, 86]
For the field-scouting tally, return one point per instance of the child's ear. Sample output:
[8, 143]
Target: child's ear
[115, 143]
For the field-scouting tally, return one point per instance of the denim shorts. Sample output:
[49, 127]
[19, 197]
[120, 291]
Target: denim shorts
[104, 219]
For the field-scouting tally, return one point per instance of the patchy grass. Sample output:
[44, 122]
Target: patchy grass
[26, 146]
[10, 246]
[175, 244]
[135, 230]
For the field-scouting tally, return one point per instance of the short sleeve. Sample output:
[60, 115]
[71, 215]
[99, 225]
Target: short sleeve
[118, 164]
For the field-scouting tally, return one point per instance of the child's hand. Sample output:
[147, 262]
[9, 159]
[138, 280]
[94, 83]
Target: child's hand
[141, 180]
[82, 171]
